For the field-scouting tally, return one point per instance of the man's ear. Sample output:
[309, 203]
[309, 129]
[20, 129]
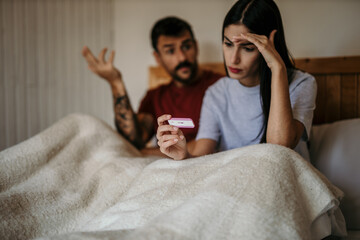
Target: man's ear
[157, 58]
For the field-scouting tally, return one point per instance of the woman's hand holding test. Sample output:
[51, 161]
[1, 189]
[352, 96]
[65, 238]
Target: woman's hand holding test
[171, 139]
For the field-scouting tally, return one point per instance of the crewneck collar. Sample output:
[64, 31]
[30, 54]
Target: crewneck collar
[254, 89]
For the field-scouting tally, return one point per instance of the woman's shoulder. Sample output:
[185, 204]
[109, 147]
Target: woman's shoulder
[302, 78]
[299, 75]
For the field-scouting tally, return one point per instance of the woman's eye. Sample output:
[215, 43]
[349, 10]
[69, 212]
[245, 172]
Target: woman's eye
[249, 49]
[227, 44]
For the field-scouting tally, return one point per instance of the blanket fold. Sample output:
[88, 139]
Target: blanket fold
[80, 180]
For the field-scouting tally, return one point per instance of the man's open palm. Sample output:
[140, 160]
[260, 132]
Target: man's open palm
[100, 66]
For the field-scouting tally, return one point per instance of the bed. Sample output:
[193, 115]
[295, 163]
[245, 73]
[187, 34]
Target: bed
[79, 179]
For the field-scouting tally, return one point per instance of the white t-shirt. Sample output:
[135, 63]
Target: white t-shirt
[232, 115]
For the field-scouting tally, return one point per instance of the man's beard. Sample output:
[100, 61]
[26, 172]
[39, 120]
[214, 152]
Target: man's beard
[193, 69]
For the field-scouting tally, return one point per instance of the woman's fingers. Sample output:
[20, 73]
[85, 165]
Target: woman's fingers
[167, 144]
[169, 137]
[265, 46]
[253, 38]
[168, 140]
[166, 129]
[259, 41]
[167, 133]
[162, 119]
[272, 37]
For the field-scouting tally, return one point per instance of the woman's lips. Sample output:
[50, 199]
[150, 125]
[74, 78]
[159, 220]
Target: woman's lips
[235, 70]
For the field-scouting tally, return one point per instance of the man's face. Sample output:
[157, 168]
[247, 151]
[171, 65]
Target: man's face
[178, 56]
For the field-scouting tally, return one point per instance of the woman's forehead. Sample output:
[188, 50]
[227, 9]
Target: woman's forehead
[235, 30]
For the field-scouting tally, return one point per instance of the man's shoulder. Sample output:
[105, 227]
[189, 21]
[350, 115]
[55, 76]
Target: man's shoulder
[158, 89]
[209, 77]
[152, 96]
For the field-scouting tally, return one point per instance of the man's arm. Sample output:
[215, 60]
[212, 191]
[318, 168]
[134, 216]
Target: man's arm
[136, 128]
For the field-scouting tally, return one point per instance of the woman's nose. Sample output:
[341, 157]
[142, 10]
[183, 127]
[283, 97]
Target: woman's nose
[235, 58]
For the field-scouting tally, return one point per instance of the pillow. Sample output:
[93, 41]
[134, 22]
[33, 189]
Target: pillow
[335, 150]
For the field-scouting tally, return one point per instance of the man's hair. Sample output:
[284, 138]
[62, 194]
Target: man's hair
[169, 26]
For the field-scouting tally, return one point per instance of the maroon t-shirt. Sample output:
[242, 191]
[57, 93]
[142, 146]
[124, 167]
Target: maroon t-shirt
[184, 102]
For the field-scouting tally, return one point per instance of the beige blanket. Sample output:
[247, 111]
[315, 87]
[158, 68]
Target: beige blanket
[80, 180]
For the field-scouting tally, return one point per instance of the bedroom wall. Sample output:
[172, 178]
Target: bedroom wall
[43, 76]
[321, 28]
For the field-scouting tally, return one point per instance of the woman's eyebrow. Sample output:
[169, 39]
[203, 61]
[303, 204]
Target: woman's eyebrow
[246, 44]
[226, 38]
[241, 44]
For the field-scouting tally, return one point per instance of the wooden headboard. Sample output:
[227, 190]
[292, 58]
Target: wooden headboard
[338, 80]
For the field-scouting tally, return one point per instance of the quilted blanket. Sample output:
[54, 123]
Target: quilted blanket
[79, 179]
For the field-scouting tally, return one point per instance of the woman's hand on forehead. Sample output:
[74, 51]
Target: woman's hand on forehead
[258, 40]
[265, 46]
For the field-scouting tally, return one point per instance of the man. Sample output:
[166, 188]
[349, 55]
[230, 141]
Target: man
[176, 50]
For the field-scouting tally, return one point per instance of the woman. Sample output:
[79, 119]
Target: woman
[264, 99]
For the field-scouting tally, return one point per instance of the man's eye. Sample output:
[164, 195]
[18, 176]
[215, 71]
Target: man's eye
[186, 47]
[169, 51]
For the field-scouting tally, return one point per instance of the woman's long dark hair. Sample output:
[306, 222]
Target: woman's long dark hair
[261, 17]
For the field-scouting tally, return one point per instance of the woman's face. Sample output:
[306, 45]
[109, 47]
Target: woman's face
[242, 57]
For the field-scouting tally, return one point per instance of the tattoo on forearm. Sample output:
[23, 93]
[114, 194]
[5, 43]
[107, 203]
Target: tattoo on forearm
[126, 121]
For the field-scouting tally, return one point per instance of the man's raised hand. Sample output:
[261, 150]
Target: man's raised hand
[100, 66]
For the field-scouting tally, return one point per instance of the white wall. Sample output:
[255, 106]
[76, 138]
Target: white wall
[321, 28]
[43, 76]
[133, 23]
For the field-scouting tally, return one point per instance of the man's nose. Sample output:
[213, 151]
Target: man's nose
[181, 55]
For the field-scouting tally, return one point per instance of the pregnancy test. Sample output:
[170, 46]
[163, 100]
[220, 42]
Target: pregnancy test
[182, 122]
